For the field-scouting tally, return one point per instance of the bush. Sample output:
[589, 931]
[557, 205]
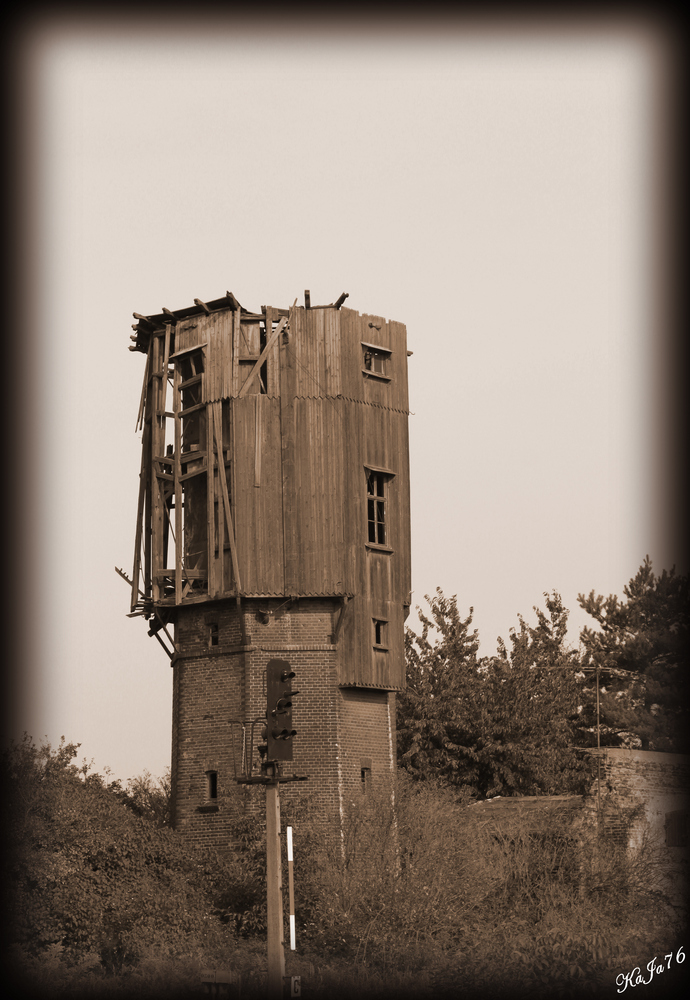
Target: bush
[418, 899]
[430, 894]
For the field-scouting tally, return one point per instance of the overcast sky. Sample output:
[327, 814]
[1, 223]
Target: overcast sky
[493, 190]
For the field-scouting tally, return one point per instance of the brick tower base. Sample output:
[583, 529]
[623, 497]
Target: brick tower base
[345, 739]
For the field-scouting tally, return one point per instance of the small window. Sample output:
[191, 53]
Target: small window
[380, 627]
[376, 361]
[376, 507]
[365, 773]
[213, 634]
[212, 785]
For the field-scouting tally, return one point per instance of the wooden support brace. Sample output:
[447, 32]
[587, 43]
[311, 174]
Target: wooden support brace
[124, 576]
[140, 512]
[142, 400]
[339, 623]
[217, 424]
[264, 354]
[198, 302]
[170, 654]
[165, 629]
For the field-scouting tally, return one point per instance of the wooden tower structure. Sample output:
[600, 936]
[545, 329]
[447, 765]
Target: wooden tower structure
[273, 521]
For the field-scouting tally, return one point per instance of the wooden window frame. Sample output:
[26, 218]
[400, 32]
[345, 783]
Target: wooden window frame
[375, 353]
[378, 508]
[380, 628]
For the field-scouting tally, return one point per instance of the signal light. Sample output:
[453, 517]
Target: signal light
[279, 694]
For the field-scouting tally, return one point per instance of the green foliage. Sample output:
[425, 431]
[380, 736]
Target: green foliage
[496, 725]
[641, 649]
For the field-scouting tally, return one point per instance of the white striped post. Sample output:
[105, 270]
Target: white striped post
[291, 889]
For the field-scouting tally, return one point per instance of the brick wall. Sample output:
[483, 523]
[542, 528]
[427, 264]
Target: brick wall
[645, 783]
[367, 749]
[340, 730]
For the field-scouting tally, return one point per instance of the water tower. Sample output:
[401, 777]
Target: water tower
[273, 523]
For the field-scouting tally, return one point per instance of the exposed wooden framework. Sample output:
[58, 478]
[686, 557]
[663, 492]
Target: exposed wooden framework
[257, 430]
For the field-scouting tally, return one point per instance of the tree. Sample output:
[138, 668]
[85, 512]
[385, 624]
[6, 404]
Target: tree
[495, 725]
[149, 797]
[433, 712]
[641, 651]
[90, 879]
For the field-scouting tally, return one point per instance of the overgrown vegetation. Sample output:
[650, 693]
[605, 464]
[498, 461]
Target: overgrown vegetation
[422, 901]
[427, 899]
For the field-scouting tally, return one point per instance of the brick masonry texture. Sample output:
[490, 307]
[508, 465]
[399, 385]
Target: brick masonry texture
[343, 734]
[653, 783]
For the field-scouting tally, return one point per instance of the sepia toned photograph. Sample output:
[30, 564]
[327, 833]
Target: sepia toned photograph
[350, 596]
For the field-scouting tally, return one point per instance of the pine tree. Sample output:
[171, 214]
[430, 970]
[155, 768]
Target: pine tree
[641, 652]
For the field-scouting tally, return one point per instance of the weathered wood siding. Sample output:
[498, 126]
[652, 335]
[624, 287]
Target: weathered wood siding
[294, 453]
[258, 509]
[314, 498]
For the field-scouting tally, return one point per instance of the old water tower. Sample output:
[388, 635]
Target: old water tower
[273, 522]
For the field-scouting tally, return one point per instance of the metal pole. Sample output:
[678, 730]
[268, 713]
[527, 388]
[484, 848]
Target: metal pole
[598, 757]
[291, 888]
[274, 898]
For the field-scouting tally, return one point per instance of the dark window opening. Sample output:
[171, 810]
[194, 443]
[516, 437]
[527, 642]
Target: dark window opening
[376, 507]
[263, 372]
[365, 773]
[211, 784]
[380, 632]
[190, 365]
[213, 634]
[376, 360]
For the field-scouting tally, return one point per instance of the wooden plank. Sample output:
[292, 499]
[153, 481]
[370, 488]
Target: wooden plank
[144, 389]
[235, 352]
[257, 367]
[350, 356]
[210, 504]
[257, 440]
[143, 476]
[226, 502]
[332, 333]
[178, 488]
[271, 356]
[164, 381]
[228, 321]
[187, 350]
[287, 448]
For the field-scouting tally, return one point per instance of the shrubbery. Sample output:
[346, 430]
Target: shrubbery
[439, 902]
[423, 900]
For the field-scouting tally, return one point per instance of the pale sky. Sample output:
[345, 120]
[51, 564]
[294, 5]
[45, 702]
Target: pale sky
[493, 190]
